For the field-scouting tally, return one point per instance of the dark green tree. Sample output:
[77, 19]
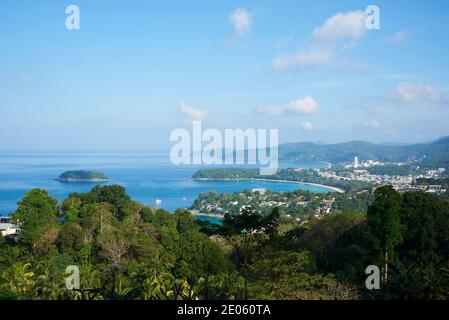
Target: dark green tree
[384, 226]
[247, 225]
[70, 239]
[36, 212]
[422, 270]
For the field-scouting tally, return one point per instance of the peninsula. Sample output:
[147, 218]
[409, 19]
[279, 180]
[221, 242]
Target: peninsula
[290, 175]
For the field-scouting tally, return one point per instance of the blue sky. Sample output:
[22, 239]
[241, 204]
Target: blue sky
[306, 68]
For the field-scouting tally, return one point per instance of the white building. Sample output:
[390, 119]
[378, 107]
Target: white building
[356, 162]
[260, 190]
[9, 229]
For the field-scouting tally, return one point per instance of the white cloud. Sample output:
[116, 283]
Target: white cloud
[341, 26]
[194, 113]
[371, 124]
[307, 105]
[302, 59]
[416, 93]
[341, 30]
[307, 126]
[398, 37]
[241, 20]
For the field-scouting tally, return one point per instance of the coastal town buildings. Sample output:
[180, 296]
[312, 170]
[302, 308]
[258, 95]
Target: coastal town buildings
[359, 171]
[9, 229]
[325, 208]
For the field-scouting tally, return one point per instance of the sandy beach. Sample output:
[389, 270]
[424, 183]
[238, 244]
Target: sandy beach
[335, 189]
[213, 215]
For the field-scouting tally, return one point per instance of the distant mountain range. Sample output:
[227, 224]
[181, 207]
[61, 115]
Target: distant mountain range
[436, 152]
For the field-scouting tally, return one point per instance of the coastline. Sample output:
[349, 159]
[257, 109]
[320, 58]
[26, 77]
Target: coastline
[334, 189]
[81, 180]
[329, 165]
[211, 215]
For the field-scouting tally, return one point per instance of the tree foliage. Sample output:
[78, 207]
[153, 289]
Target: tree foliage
[125, 250]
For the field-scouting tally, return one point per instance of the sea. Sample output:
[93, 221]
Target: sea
[149, 177]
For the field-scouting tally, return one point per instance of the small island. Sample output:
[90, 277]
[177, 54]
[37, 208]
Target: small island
[82, 176]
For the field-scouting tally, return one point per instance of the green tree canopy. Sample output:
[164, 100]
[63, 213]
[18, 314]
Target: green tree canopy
[384, 226]
[35, 212]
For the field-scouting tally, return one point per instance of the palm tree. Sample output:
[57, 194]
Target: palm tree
[20, 278]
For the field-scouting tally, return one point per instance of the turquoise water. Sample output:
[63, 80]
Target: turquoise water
[213, 220]
[146, 177]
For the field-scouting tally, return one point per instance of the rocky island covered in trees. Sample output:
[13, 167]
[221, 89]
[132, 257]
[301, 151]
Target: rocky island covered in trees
[82, 176]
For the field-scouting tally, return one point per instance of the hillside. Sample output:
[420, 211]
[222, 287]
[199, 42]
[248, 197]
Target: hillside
[435, 152]
[82, 176]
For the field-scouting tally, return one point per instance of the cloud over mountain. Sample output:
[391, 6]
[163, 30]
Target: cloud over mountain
[194, 114]
[416, 93]
[303, 106]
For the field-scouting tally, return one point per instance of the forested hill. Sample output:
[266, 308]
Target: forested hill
[437, 151]
[82, 176]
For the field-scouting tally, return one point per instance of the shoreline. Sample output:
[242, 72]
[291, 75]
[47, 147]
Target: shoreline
[69, 180]
[211, 215]
[329, 164]
[335, 189]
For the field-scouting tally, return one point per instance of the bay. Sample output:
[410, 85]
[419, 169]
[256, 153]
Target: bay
[146, 177]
